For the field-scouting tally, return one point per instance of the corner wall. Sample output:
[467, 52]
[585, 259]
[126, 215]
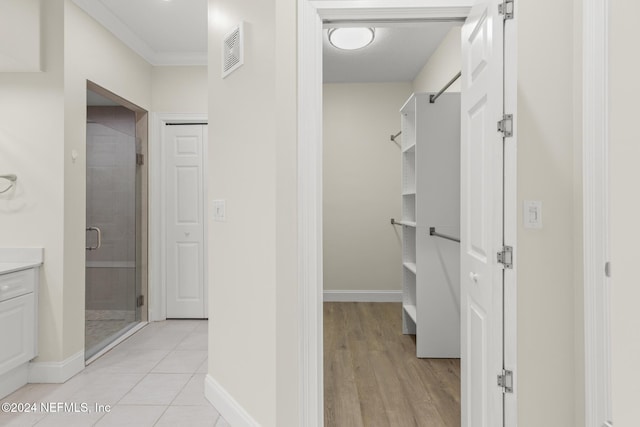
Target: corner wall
[361, 185]
[253, 166]
[91, 53]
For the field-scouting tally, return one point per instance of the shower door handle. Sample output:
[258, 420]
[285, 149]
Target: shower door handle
[99, 234]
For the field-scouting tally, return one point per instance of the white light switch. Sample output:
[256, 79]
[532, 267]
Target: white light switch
[532, 214]
[219, 211]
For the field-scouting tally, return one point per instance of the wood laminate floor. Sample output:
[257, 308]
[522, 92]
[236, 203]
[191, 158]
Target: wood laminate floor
[372, 376]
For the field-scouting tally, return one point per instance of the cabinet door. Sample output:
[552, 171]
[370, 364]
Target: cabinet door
[17, 326]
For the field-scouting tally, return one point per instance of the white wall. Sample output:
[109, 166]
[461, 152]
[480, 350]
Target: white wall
[179, 89]
[548, 170]
[20, 36]
[252, 256]
[443, 65]
[91, 53]
[43, 120]
[361, 185]
[624, 152]
[32, 147]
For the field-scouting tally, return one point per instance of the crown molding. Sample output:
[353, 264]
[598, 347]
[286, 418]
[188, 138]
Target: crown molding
[122, 32]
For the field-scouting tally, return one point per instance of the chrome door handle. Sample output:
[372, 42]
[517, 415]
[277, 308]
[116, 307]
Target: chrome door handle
[99, 234]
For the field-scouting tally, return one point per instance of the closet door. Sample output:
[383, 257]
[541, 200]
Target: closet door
[185, 221]
[482, 216]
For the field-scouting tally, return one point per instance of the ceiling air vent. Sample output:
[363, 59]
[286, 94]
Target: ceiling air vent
[233, 50]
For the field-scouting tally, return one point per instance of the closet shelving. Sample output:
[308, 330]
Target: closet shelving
[409, 225]
[431, 198]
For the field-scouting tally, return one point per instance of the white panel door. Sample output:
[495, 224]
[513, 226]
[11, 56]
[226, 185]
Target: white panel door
[481, 216]
[185, 221]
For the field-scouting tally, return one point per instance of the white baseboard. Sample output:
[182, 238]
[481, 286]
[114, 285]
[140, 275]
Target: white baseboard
[363, 296]
[56, 372]
[226, 405]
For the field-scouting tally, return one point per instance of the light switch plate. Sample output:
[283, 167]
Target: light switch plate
[219, 209]
[532, 214]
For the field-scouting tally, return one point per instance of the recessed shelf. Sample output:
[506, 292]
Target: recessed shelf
[411, 311]
[411, 266]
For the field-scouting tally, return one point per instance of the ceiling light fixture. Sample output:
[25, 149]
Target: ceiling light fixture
[351, 38]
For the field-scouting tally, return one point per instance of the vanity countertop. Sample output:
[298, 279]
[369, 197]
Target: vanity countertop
[16, 259]
[10, 267]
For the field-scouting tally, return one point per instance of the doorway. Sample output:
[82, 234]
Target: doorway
[178, 226]
[378, 370]
[483, 387]
[115, 266]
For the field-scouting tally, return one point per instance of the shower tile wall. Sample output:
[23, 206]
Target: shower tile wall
[111, 207]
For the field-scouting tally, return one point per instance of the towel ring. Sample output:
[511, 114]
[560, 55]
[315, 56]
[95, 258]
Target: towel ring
[12, 182]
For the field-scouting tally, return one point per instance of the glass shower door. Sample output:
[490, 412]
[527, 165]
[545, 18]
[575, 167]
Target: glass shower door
[112, 279]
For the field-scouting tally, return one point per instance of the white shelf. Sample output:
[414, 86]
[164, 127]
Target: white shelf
[409, 193]
[411, 311]
[410, 149]
[411, 266]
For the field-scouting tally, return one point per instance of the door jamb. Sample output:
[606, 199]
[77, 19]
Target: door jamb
[157, 217]
[595, 157]
[310, 16]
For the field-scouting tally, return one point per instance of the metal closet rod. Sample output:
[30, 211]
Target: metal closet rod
[433, 232]
[432, 98]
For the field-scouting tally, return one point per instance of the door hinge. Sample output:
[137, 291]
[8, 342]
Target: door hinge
[139, 159]
[505, 257]
[140, 301]
[505, 381]
[506, 9]
[505, 126]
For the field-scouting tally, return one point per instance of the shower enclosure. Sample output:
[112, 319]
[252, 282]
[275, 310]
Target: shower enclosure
[113, 261]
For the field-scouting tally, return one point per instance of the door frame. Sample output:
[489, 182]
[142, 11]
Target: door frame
[157, 218]
[595, 158]
[310, 16]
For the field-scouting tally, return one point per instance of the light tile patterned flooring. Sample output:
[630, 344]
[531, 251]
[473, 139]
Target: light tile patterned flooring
[154, 378]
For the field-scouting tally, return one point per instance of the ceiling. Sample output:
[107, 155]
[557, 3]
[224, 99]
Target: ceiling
[174, 32]
[397, 54]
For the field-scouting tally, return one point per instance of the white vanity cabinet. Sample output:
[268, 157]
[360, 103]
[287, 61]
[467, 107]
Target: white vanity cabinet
[19, 278]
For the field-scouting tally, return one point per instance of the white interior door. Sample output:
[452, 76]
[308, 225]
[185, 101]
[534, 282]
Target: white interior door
[482, 216]
[184, 153]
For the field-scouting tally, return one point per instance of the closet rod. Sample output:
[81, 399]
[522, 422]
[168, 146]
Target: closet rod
[432, 98]
[393, 137]
[433, 232]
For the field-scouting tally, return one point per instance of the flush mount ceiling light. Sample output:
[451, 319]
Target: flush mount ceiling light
[351, 38]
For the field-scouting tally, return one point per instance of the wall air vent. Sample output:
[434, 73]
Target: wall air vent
[233, 50]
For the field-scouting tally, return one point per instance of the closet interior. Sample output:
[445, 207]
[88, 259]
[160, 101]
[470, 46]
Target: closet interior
[392, 288]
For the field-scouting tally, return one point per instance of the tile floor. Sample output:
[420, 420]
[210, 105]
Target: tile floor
[154, 378]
